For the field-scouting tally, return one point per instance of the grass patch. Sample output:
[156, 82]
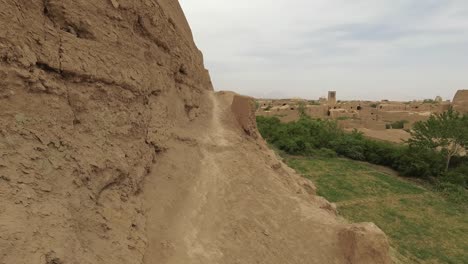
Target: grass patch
[422, 224]
[342, 179]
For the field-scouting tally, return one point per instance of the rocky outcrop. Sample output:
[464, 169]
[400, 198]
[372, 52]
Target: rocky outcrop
[244, 109]
[114, 148]
[460, 101]
[365, 243]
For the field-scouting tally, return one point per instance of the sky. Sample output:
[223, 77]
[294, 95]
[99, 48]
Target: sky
[363, 49]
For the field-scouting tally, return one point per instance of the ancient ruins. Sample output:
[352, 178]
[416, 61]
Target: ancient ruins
[388, 120]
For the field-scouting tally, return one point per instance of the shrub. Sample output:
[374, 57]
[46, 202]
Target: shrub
[301, 109]
[257, 105]
[457, 176]
[350, 145]
[382, 153]
[418, 162]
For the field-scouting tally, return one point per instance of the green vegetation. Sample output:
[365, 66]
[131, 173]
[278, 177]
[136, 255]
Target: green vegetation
[307, 137]
[427, 222]
[429, 101]
[446, 132]
[343, 118]
[422, 224]
[313, 102]
[301, 108]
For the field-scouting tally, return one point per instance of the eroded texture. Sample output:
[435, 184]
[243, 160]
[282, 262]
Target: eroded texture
[460, 101]
[115, 150]
[89, 92]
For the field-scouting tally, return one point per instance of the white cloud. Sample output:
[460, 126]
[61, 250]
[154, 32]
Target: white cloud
[396, 49]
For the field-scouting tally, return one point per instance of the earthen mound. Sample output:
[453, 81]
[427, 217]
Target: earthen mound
[243, 108]
[460, 101]
[114, 149]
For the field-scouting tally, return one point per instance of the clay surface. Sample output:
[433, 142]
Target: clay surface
[114, 149]
[460, 101]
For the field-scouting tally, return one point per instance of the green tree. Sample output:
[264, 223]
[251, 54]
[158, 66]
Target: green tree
[446, 132]
[301, 108]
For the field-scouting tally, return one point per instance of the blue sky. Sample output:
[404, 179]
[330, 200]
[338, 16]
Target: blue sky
[363, 49]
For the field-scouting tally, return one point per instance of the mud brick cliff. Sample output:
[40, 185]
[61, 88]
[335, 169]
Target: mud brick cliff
[115, 149]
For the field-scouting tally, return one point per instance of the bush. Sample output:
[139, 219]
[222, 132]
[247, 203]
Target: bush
[382, 153]
[457, 176]
[429, 101]
[350, 145]
[301, 109]
[257, 105]
[458, 161]
[423, 163]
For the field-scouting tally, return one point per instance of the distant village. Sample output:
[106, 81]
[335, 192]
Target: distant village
[386, 120]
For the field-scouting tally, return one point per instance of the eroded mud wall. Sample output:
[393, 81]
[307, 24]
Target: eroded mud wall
[89, 91]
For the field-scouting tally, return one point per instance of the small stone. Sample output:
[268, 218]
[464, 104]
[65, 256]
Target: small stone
[45, 187]
[115, 3]
[20, 118]
[38, 87]
[276, 166]
[72, 31]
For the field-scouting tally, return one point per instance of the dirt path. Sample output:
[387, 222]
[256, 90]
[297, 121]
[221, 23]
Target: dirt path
[214, 198]
[208, 192]
[186, 218]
